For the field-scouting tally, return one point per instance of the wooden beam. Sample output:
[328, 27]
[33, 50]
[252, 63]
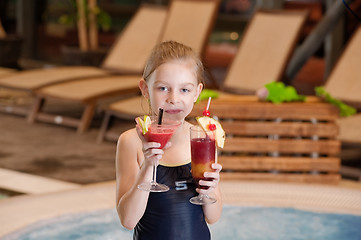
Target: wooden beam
[333, 43]
[315, 39]
[82, 29]
[282, 146]
[264, 163]
[93, 27]
[26, 26]
[331, 178]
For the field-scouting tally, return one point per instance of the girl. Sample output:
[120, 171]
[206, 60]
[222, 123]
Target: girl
[172, 80]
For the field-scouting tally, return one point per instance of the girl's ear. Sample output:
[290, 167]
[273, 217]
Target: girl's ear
[143, 86]
[199, 90]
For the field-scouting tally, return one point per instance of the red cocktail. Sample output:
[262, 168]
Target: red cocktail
[203, 154]
[160, 133]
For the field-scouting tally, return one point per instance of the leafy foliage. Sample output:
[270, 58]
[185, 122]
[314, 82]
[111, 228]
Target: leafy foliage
[278, 93]
[103, 19]
[345, 110]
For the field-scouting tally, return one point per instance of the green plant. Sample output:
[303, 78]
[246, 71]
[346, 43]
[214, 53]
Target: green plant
[345, 110]
[88, 18]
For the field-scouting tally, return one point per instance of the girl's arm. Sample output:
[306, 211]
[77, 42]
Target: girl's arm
[212, 212]
[131, 202]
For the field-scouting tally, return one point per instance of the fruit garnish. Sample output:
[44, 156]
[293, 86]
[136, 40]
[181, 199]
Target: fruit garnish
[206, 113]
[144, 124]
[207, 123]
[212, 126]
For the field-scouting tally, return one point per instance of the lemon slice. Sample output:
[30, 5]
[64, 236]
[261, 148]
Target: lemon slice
[206, 122]
[144, 124]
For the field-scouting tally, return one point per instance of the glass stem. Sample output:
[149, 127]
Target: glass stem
[154, 174]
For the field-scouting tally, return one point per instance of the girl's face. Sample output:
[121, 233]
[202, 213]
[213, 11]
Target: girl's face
[173, 86]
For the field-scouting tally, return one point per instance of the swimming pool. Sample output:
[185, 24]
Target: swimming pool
[237, 222]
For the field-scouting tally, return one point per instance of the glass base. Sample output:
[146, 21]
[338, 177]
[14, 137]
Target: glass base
[202, 200]
[153, 187]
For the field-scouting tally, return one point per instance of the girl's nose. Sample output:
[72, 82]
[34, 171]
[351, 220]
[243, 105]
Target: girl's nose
[173, 97]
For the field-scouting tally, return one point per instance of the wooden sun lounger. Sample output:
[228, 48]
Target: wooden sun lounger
[128, 55]
[77, 92]
[263, 53]
[344, 83]
[191, 22]
[261, 57]
[6, 72]
[191, 30]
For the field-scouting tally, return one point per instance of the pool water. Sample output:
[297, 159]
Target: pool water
[236, 223]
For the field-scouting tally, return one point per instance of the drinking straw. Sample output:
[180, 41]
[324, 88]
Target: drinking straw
[160, 116]
[209, 103]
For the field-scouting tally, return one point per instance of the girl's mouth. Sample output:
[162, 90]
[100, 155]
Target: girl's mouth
[173, 111]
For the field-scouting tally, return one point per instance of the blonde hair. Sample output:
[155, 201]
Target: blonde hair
[173, 51]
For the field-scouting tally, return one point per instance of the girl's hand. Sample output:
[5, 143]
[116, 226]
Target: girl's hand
[152, 153]
[212, 184]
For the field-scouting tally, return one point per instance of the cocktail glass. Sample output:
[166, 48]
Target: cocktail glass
[203, 154]
[160, 133]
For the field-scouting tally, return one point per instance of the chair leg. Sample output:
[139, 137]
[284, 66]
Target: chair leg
[86, 117]
[35, 109]
[104, 127]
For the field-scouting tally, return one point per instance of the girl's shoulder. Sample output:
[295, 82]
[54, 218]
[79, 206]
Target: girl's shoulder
[129, 138]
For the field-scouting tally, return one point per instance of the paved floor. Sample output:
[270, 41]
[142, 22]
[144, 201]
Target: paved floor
[56, 152]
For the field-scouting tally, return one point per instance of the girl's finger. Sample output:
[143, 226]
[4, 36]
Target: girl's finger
[153, 151]
[217, 167]
[210, 189]
[168, 145]
[210, 184]
[150, 145]
[213, 175]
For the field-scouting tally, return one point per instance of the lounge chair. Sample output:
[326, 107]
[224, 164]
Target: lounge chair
[261, 57]
[127, 55]
[344, 83]
[189, 22]
[6, 71]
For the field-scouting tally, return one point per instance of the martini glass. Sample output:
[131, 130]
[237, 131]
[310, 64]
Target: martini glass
[160, 133]
[203, 154]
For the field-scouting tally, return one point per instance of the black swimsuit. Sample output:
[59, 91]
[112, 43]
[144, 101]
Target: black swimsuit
[170, 215]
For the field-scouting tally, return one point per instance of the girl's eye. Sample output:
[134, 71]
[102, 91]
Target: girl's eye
[163, 89]
[185, 90]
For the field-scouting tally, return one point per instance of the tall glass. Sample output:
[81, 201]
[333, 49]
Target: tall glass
[160, 133]
[203, 154]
